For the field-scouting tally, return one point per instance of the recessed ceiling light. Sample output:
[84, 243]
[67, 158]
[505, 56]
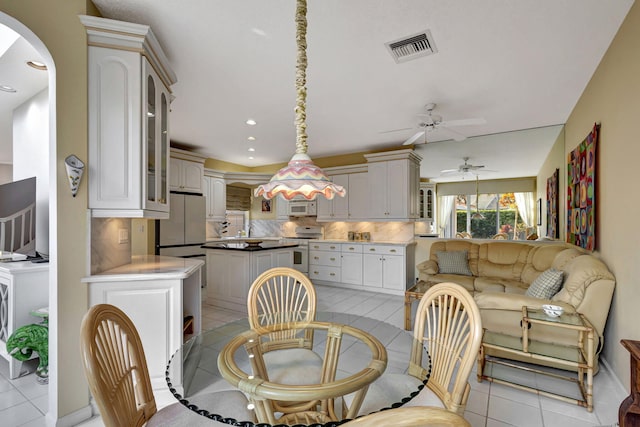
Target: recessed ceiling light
[250, 157]
[252, 138]
[37, 65]
[251, 122]
[150, 114]
[252, 149]
[6, 88]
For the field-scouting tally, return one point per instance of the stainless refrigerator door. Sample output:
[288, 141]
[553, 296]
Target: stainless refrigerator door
[195, 223]
[172, 229]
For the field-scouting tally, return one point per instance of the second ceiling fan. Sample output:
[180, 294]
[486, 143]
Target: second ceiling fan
[433, 122]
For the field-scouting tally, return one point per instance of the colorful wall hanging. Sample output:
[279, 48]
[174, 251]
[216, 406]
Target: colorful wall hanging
[553, 229]
[581, 192]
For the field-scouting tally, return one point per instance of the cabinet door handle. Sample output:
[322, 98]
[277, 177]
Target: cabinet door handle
[315, 272]
[332, 274]
[332, 259]
[315, 257]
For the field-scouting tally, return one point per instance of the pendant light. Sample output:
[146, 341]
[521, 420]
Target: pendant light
[477, 214]
[301, 177]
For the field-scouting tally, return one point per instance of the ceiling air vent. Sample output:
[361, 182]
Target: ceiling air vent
[412, 47]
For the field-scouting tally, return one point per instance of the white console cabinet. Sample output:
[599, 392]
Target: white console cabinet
[129, 79]
[24, 287]
[156, 293]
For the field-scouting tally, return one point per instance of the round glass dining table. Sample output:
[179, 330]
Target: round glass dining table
[194, 371]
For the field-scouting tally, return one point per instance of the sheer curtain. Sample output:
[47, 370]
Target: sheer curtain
[445, 206]
[526, 207]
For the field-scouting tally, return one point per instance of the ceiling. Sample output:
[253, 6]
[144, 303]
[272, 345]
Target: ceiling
[517, 65]
[15, 51]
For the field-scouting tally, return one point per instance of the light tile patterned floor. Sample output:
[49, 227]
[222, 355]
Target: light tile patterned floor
[23, 402]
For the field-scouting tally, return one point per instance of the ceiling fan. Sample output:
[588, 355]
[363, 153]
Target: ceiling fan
[464, 169]
[433, 122]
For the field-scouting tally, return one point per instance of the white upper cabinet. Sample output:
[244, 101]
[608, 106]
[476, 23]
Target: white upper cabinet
[393, 180]
[129, 98]
[186, 171]
[354, 206]
[215, 193]
[427, 201]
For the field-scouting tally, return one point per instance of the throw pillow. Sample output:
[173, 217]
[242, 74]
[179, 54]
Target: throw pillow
[453, 262]
[546, 285]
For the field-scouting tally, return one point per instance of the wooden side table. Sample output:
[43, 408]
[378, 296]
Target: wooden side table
[413, 294]
[629, 412]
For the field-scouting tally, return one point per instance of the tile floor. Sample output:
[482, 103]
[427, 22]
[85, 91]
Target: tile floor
[23, 402]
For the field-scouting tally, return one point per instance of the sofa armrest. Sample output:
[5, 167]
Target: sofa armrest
[429, 267]
[514, 302]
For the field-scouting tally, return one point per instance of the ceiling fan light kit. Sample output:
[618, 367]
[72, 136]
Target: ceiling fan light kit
[301, 177]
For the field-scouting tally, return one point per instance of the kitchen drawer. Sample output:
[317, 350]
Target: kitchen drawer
[351, 248]
[323, 272]
[385, 249]
[324, 246]
[331, 259]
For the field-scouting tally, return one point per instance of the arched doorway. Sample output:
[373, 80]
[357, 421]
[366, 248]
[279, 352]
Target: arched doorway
[47, 59]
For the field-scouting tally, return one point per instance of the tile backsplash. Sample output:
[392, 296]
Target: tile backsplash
[106, 251]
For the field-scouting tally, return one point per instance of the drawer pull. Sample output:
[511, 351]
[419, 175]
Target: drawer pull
[332, 274]
[352, 248]
[372, 249]
[315, 257]
[392, 250]
[332, 259]
[332, 247]
[316, 272]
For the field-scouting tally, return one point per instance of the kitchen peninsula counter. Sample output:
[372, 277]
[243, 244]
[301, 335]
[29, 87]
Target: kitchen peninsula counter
[243, 246]
[161, 295]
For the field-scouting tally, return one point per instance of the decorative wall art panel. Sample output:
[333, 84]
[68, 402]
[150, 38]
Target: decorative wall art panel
[553, 222]
[581, 192]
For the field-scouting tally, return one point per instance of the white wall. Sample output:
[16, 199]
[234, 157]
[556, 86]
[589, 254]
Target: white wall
[31, 157]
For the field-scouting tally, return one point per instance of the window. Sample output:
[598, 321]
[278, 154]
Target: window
[501, 213]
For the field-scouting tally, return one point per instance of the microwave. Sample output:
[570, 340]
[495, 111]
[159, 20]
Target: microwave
[302, 208]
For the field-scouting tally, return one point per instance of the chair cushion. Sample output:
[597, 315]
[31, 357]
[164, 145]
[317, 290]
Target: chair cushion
[293, 366]
[453, 262]
[547, 284]
[231, 403]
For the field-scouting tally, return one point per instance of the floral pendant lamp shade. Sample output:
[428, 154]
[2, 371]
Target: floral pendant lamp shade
[301, 177]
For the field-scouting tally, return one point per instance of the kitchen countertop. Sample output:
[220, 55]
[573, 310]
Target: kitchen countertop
[147, 267]
[242, 246]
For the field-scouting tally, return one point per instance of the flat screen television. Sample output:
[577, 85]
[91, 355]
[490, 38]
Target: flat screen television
[18, 216]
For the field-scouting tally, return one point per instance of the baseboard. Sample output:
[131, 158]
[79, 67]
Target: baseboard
[623, 390]
[72, 419]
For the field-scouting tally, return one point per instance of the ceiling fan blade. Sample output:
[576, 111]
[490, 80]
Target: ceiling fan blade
[412, 139]
[451, 133]
[474, 167]
[394, 130]
[449, 171]
[463, 122]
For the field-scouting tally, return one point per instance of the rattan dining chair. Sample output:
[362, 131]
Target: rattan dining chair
[278, 297]
[116, 369]
[448, 325]
[414, 416]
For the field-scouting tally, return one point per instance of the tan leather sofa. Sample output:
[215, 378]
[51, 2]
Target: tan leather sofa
[503, 270]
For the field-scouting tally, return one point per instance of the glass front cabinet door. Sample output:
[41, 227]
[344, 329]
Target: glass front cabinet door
[156, 142]
[427, 201]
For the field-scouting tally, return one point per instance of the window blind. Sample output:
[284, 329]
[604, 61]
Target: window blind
[516, 185]
[238, 198]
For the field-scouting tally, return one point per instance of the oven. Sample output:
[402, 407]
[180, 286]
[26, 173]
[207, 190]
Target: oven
[301, 253]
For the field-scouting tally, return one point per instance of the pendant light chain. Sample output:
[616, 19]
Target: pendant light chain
[301, 77]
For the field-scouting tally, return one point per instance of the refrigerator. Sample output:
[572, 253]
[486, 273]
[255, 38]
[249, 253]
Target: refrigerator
[183, 234]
